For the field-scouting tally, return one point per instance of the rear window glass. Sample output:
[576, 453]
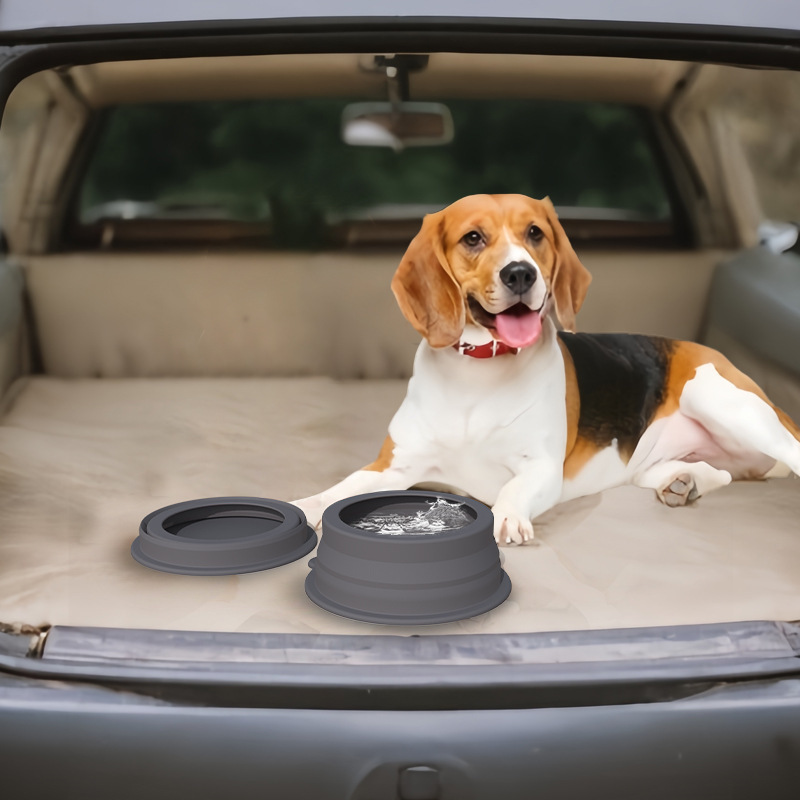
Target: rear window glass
[283, 163]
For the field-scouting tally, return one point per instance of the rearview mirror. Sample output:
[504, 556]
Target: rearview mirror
[397, 125]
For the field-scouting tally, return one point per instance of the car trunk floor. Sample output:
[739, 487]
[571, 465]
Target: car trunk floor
[83, 461]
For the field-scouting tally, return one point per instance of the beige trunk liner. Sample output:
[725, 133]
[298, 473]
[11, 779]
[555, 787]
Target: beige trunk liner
[81, 462]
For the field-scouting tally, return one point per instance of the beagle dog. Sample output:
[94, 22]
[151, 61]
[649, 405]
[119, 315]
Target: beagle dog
[507, 408]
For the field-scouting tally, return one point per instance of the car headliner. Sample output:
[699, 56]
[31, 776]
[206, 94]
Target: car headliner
[646, 82]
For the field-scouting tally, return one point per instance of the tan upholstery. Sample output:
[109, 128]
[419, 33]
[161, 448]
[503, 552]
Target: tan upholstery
[81, 462]
[245, 314]
[218, 315]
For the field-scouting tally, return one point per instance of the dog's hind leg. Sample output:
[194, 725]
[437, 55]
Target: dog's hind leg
[739, 420]
[678, 483]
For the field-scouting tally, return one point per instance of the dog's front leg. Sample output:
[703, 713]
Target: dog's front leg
[532, 491]
[359, 482]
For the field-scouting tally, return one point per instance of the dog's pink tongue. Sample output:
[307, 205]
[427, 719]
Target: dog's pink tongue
[519, 330]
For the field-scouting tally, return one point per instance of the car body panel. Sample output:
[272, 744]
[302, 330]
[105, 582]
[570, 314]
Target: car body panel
[733, 742]
[28, 15]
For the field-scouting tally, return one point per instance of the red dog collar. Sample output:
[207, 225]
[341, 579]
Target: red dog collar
[488, 350]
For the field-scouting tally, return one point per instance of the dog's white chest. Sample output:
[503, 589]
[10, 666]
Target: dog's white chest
[478, 422]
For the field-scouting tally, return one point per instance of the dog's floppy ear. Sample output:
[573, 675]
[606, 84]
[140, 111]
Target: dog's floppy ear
[426, 291]
[570, 278]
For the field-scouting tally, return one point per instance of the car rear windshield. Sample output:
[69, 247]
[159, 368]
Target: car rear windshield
[281, 167]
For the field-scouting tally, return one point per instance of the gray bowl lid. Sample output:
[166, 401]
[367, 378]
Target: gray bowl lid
[223, 536]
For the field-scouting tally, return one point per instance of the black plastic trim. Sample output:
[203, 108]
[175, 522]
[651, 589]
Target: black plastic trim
[547, 670]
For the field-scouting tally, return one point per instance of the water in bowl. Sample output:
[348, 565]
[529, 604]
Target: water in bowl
[441, 515]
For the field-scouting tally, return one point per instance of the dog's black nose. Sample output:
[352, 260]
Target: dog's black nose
[518, 276]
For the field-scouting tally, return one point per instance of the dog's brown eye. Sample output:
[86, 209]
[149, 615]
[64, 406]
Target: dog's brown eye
[535, 233]
[472, 239]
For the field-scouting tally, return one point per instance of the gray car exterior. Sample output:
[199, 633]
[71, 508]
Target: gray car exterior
[702, 711]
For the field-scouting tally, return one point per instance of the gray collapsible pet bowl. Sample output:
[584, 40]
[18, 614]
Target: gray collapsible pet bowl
[223, 536]
[380, 572]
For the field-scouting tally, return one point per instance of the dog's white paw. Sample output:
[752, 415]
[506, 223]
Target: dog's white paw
[510, 529]
[681, 491]
[312, 507]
